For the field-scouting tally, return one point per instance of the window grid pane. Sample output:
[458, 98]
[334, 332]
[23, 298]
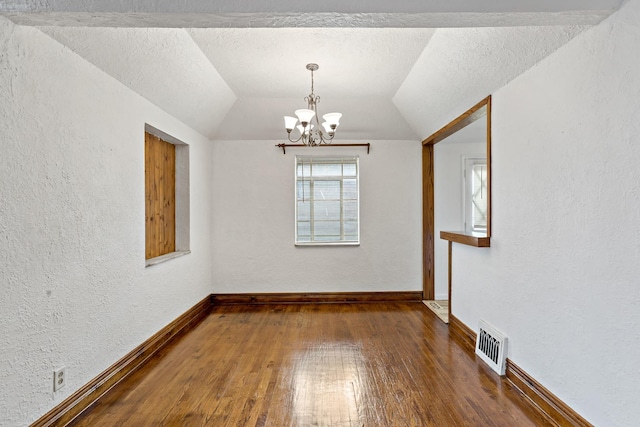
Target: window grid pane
[327, 200]
[478, 197]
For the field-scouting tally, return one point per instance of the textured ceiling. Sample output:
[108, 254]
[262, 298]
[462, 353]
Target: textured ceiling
[461, 66]
[232, 69]
[163, 65]
[307, 13]
[353, 61]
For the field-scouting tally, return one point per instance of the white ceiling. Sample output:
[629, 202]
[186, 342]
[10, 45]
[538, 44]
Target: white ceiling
[357, 62]
[232, 69]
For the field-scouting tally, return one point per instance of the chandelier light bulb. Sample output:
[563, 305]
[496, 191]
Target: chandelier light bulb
[327, 127]
[305, 115]
[290, 123]
[332, 118]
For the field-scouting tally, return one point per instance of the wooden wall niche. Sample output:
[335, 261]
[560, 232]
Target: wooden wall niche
[167, 199]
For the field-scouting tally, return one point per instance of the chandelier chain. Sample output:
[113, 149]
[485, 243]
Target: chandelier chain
[311, 82]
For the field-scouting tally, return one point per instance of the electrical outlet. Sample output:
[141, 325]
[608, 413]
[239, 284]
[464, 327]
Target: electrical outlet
[59, 378]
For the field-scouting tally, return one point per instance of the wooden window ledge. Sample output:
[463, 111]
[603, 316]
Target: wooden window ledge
[477, 240]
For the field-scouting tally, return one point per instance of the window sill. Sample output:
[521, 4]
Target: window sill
[166, 257]
[471, 239]
[327, 243]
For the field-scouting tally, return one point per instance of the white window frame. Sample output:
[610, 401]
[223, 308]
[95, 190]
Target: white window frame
[469, 224]
[311, 160]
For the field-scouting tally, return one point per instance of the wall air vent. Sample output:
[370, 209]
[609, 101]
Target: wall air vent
[491, 346]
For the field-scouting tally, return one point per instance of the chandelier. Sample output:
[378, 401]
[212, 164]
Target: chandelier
[310, 133]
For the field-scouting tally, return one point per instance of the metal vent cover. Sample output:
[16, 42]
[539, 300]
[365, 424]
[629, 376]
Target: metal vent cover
[491, 346]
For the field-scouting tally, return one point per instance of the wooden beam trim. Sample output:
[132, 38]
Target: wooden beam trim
[474, 113]
[466, 118]
[546, 402]
[488, 101]
[315, 297]
[449, 274]
[87, 395]
[428, 224]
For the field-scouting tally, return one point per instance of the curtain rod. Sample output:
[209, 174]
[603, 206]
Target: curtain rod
[283, 146]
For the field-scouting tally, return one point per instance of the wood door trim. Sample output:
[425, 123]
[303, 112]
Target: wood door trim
[74, 405]
[428, 191]
[487, 100]
[428, 224]
[466, 118]
[449, 273]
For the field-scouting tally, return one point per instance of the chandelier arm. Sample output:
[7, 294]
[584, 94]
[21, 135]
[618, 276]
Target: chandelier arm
[294, 140]
[329, 138]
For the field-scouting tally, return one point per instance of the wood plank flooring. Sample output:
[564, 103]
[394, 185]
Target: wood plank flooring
[338, 365]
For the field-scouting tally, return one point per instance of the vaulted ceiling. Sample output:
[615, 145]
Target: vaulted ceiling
[231, 69]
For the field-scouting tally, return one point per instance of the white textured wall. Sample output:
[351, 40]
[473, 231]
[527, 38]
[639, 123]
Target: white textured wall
[253, 222]
[74, 288]
[448, 187]
[561, 278]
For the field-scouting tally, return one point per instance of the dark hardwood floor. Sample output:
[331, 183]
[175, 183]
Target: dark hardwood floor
[373, 364]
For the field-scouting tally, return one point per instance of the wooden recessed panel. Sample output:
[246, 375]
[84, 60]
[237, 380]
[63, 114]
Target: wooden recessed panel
[160, 196]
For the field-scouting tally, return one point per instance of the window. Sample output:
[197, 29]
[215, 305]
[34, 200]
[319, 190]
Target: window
[166, 165]
[475, 201]
[327, 201]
